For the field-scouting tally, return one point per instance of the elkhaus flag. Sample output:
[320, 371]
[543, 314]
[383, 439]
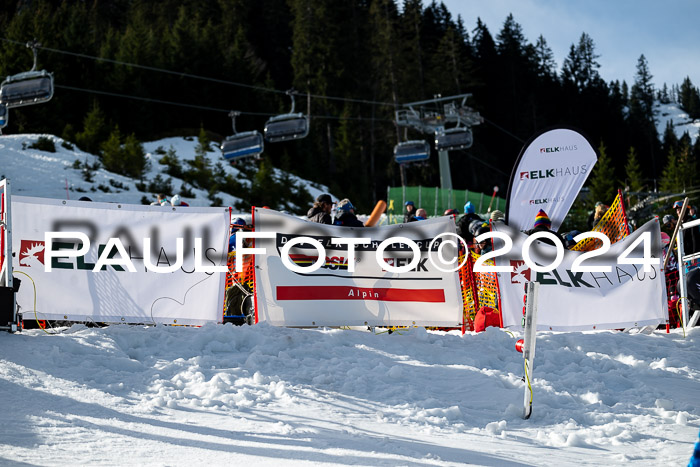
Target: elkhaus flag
[548, 175]
[616, 293]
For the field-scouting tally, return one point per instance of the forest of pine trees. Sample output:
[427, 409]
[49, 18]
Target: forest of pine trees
[354, 62]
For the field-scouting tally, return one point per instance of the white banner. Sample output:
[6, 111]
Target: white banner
[333, 295]
[548, 175]
[72, 291]
[626, 296]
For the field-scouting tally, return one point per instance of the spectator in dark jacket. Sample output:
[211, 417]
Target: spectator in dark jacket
[410, 212]
[691, 237]
[543, 224]
[321, 210]
[464, 223]
[346, 214]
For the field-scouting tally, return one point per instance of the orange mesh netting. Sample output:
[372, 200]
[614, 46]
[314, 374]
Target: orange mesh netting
[469, 298]
[478, 288]
[246, 277]
[613, 224]
[486, 285]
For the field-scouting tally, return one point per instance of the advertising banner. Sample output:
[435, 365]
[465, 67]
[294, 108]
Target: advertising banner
[614, 295]
[548, 175]
[100, 268]
[363, 292]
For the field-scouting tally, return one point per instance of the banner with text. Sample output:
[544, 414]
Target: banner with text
[72, 290]
[548, 175]
[624, 296]
[335, 295]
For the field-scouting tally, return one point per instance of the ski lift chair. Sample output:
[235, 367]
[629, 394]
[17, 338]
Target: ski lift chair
[242, 145]
[4, 115]
[411, 151]
[287, 126]
[453, 139]
[30, 87]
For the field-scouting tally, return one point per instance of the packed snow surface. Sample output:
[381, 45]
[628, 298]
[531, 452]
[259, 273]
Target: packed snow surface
[260, 395]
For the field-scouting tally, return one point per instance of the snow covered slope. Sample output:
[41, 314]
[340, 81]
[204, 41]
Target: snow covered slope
[52, 174]
[681, 121]
[258, 395]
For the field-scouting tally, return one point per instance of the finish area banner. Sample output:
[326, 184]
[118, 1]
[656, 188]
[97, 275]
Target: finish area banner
[548, 175]
[119, 263]
[370, 295]
[613, 295]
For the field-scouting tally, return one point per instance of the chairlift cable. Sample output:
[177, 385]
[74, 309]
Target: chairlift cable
[232, 83]
[145, 99]
[201, 107]
[503, 130]
[204, 78]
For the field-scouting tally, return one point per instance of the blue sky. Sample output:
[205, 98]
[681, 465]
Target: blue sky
[666, 32]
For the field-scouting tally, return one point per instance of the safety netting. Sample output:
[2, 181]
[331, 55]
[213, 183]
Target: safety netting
[613, 224]
[245, 278]
[478, 288]
[437, 200]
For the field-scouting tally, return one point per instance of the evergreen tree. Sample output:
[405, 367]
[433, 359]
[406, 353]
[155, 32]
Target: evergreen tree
[518, 76]
[670, 140]
[112, 157]
[602, 184]
[410, 30]
[681, 171]
[451, 56]
[200, 173]
[94, 132]
[580, 67]
[642, 92]
[689, 98]
[641, 118]
[688, 164]
[633, 176]
[671, 177]
[135, 161]
[544, 60]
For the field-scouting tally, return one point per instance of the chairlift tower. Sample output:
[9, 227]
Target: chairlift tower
[449, 119]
